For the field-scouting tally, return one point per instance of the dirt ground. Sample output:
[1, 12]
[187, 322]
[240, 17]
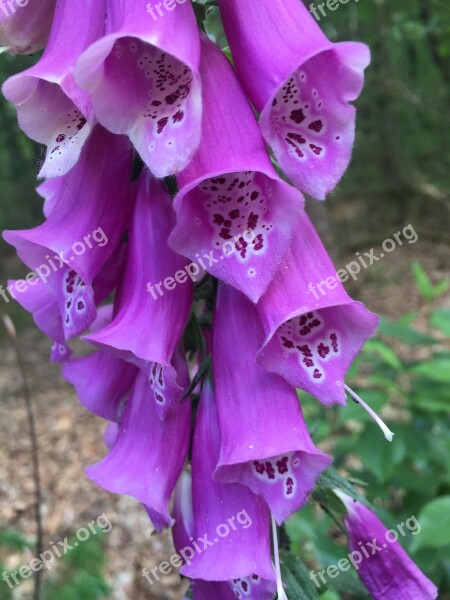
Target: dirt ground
[69, 439]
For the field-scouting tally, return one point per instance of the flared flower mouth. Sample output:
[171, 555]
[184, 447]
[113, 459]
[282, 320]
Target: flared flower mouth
[240, 224]
[148, 455]
[314, 349]
[141, 90]
[49, 116]
[310, 124]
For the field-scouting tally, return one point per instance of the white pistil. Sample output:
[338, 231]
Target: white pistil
[382, 425]
[280, 589]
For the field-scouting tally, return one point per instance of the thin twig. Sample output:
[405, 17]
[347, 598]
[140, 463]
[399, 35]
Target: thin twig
[12, 335]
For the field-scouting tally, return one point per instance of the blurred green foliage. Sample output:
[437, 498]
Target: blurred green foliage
[18, 159]
[77, 575]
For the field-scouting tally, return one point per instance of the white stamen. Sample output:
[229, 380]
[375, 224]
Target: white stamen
[281, 594]
[382, 425]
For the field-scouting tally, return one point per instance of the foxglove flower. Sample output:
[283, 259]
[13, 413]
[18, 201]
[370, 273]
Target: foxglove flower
[101, 381]
[83, 229]
[312, 334]
[144, 82]
[268, 450]
[233, 212]
[148, 454]
[51, 108]
[383, 565]
[35, 296]
[232, 551]
[150, 318]
[301, 84]
[251, 587]
[37, 300]
[25, 29]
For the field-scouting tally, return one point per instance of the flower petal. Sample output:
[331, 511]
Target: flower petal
[265, 442]
[101, 382]
[37, 300]
[143, 80]
[235, 217]
[51, 108]
[302, 90]
[90, 214]
[26, 28]
[387, 572]
[148, 455]
[312, 334]
[150, 262]
[245, 547]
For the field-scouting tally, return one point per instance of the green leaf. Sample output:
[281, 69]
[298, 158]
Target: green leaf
[404, 334]
[384, 352]
[201, 373]
[434, 519]
[332, 479]
[295, 574]
[329, 502]
[422, 280]
[14, 540]
[436, 370]
[440, 319]
[426, 287]
[347, 583]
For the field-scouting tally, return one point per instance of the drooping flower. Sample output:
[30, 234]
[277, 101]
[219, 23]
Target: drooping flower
[101, 380]
[383, 565]
[301, 84]
[251, 587]
[148, 454]
[313, 329]
[233, 211]
[150, 317]
[83, 230]
[49, 309]
[144, 82]
[42, 305]
[234, 521]
[24, 29]
[51, 108]
[265, 443]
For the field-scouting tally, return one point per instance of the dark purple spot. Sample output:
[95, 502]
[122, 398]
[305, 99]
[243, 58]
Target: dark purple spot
[316, 126]
[298, 116]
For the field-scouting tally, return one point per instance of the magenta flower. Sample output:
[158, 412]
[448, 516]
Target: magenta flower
[385, 568]
[38, 300]
[51, 108]
[82, 232]
[251, 587]
[148, 455]
[25, 29]
[275, 458]
[313, 333]
[101, 380]
[243, 550]
[302, 90]
[90, 214]
[233, 211]
[143, 80]
[50, 191]
[151, 343]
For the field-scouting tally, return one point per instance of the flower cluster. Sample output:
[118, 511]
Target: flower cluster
[199, 386]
